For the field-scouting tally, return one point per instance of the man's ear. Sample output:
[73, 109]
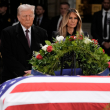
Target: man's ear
[18, 18]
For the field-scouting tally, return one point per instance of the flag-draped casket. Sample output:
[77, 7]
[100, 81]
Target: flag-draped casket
[55, 93]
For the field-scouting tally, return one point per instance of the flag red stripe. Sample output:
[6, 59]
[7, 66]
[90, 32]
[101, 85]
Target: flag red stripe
[27, 87]
[61, 106]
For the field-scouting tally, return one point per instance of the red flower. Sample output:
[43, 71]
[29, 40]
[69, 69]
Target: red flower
[103, 51]
[39, 57]
[80, 37]
[49, 48]
[95, 41]
[72, 38]
[109, 64]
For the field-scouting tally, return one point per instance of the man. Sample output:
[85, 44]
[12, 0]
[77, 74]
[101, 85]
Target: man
[40, 19]
[19, 42]
[56, 21]
[100, 27]
[6, 19]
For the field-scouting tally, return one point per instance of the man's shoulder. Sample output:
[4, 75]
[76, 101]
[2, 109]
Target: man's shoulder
[55, 17]
[46, 19]
[98, 12]
[10, 28]
[39, 29]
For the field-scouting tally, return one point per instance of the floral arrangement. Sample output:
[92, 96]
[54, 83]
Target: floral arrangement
[91, 56]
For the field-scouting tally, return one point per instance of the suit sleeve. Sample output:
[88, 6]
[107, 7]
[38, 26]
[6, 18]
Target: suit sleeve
[9, 56]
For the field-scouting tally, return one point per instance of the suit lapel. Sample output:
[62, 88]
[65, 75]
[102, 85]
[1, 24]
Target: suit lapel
[22, 38]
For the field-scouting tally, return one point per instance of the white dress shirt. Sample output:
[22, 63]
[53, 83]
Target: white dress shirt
[108, 19]
[29, 33]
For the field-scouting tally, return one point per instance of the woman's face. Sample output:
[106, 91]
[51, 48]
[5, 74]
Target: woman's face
[73, 20]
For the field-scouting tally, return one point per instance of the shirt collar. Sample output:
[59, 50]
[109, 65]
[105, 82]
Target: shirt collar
[106, 11]
[24, 29]
[40, 18]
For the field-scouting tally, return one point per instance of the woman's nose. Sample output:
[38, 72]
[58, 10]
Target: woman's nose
[72, 20]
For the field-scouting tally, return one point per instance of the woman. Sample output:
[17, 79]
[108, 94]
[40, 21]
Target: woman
[71, 23]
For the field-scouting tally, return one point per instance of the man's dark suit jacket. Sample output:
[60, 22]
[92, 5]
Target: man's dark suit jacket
[44, 23]
[97, 30]
[15, 51]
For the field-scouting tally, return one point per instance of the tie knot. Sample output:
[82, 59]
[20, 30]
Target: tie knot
[106, 12]
[27, 31]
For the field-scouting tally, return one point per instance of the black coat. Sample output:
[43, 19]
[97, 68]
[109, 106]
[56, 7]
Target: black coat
[96, 27]
[15, 50]
[53, 26]
[97, 30]
[44, 23]
[54, 22]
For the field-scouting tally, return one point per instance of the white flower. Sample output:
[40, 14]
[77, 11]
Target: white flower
[59, 38]
[44, 47]
[87, 40]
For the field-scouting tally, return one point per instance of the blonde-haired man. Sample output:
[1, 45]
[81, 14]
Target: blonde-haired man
[19, 42]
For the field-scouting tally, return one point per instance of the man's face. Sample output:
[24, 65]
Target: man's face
[3, 10]
[39, 10]
[63, 9]
[106, 4]
[26, 18]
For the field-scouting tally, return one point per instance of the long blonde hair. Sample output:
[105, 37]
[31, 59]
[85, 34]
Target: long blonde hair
[63, 28]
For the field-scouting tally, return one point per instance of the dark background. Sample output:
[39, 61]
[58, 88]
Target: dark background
[13, 4]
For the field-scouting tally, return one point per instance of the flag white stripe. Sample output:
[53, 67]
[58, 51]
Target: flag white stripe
[60, 79]
[57, 97]
[68, 79]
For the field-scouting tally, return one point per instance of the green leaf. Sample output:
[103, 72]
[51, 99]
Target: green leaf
[91, 56]
[47, 42]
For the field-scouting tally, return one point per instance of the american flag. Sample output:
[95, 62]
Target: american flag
[56, 93]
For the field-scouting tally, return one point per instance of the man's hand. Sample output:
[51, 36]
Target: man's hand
[27, 72]
[106, 45]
